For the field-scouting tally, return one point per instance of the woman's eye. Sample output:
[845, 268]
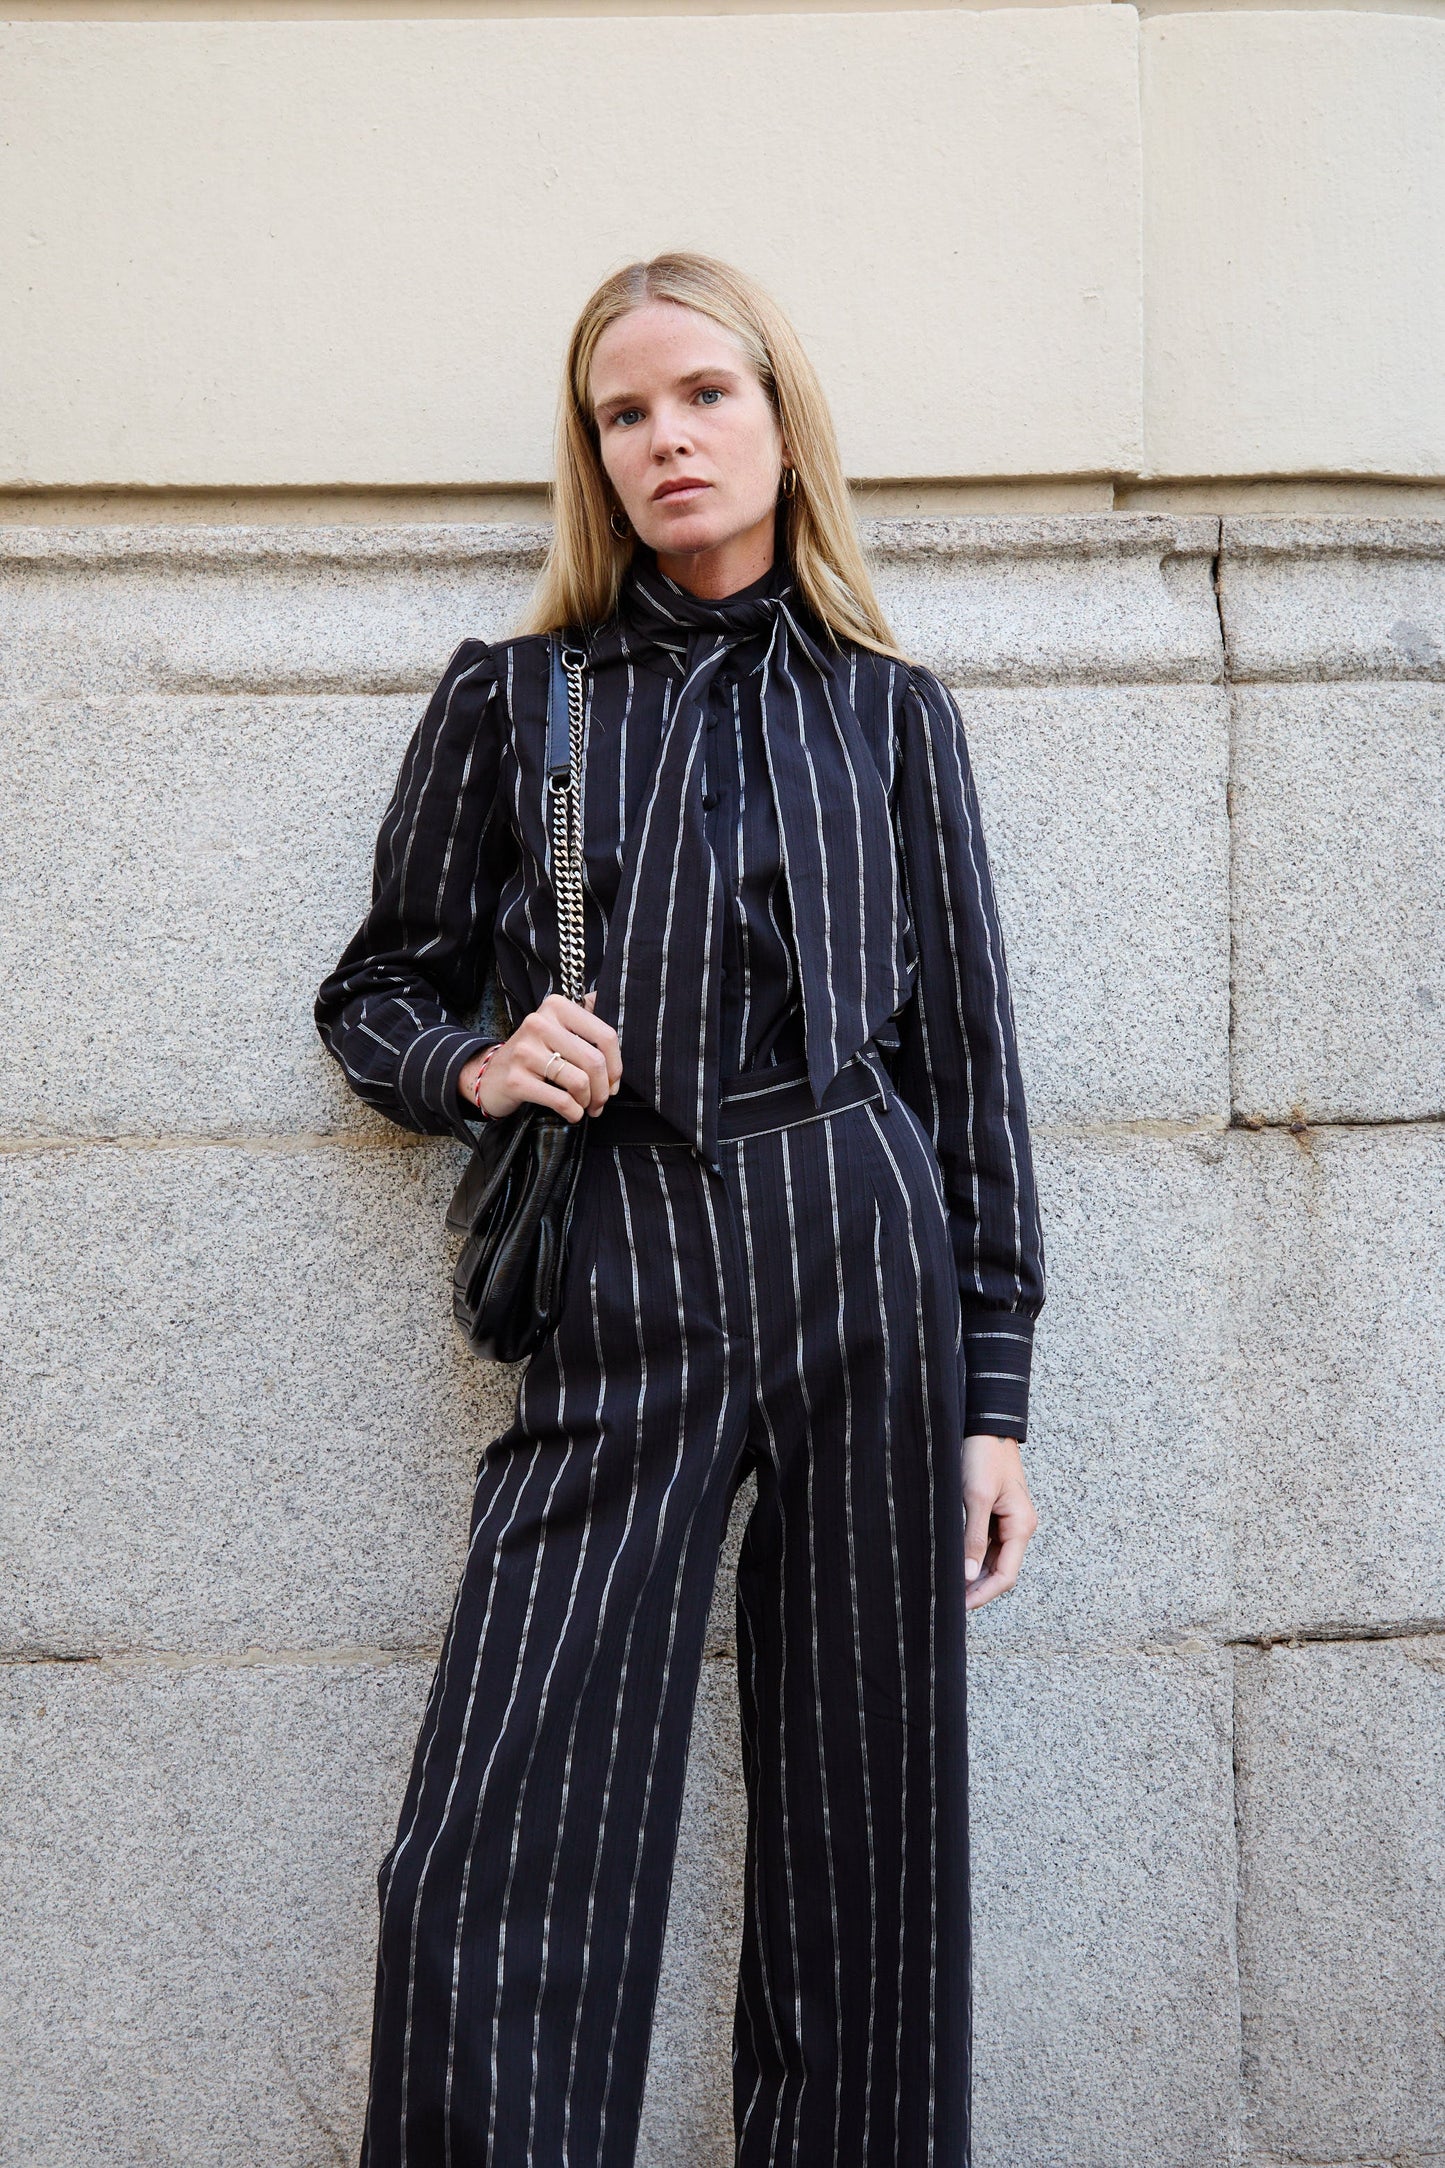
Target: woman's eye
[710, 392]
[625, 412]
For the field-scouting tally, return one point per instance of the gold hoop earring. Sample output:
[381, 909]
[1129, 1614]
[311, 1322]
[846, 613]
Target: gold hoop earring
[613, 519]
[790, 481]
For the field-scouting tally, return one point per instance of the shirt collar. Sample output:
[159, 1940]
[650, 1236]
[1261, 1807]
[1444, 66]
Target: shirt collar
[610, 642]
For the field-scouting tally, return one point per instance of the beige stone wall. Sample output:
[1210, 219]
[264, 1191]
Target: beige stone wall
[1064, 249]
[1208, 1728]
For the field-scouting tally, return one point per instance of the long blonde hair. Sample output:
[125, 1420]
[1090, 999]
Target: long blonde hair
[582, 577]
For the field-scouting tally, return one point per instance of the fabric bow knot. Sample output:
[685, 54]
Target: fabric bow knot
[660, 981]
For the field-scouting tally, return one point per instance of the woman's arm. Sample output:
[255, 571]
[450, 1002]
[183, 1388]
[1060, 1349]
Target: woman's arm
[391, 1012]
[957, 1063]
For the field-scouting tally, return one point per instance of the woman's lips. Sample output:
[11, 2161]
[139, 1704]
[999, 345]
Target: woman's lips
[680, 490]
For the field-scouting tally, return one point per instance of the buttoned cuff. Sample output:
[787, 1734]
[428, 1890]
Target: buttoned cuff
[427, 1079]
[998, 1354]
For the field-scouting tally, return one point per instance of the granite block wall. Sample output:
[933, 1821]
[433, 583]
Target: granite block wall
[240, 1433]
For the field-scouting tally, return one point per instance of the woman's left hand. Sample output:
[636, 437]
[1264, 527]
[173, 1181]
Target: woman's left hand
[999, 1517]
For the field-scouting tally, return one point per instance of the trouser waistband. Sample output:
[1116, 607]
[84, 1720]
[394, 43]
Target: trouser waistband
[749, 1106]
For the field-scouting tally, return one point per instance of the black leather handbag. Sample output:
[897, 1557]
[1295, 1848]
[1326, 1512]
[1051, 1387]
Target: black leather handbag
[514, 1201]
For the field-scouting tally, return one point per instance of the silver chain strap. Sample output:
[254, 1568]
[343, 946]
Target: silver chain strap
[567, 838]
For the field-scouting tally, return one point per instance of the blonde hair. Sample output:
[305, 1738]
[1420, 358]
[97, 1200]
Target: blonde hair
[582, 577]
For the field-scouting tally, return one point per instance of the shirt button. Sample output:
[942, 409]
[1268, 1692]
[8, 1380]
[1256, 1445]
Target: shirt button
[709, 799]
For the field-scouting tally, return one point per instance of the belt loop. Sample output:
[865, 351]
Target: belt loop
[871, 1054]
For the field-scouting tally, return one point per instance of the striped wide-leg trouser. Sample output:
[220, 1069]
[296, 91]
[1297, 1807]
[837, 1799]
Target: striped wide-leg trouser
[792, 1310]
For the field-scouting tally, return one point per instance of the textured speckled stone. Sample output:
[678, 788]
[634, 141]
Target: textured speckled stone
[1128, 1421]
[190, 1979]
[1105, 820]
[252, 610]
[1101, 1801]
[285, 609]
[240, 1411]
[1341, 1759]
[1339, 901]
[189, 871]
[240, 1418]
[1333, 598]
[1339, 1297]
[1117, 598]
[267, 1428]
[187, 1983]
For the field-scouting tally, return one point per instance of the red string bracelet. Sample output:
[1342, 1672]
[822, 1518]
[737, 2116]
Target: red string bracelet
[477, 1085]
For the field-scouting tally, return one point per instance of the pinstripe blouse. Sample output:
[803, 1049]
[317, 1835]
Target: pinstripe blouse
[462, 855]
[762, 1008]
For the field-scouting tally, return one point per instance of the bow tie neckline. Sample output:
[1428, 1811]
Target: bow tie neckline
[660, 981]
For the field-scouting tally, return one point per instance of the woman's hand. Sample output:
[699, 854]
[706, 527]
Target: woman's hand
[999, 1517]
[523, 1066]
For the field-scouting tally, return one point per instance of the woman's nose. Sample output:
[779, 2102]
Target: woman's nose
[670, 436]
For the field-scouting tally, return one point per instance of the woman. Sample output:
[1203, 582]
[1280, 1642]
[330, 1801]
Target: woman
[805, 1244]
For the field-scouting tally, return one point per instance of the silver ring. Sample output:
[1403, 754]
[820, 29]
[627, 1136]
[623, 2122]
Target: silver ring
[557, 1055]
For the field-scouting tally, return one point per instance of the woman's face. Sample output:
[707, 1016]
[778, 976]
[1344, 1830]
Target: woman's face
[677, 402]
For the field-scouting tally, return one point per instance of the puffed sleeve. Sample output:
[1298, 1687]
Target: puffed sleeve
[393, 1011]
[957, 1061]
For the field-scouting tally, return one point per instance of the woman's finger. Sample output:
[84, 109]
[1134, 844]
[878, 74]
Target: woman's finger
[978, 1503]
[551, 1095]
[583, 1075]
[576, 1018]
[1001, 1572]
[546, 1036]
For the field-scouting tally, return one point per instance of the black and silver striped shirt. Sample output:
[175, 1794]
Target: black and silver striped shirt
[463, 854]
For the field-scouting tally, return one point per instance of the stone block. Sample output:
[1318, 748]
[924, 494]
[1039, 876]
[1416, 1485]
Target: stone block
[1106, 823]
[1339, 1466]
[208, 611]
[1112, 598]
[312, 611]
[1339, 904]
[1341, 1762]
[184, 873]
[986, 324]
[186, 1959]
[1101, 1801]
[1128, 1440]
[1333, 598]
[1294, 189]
[240, 1412]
